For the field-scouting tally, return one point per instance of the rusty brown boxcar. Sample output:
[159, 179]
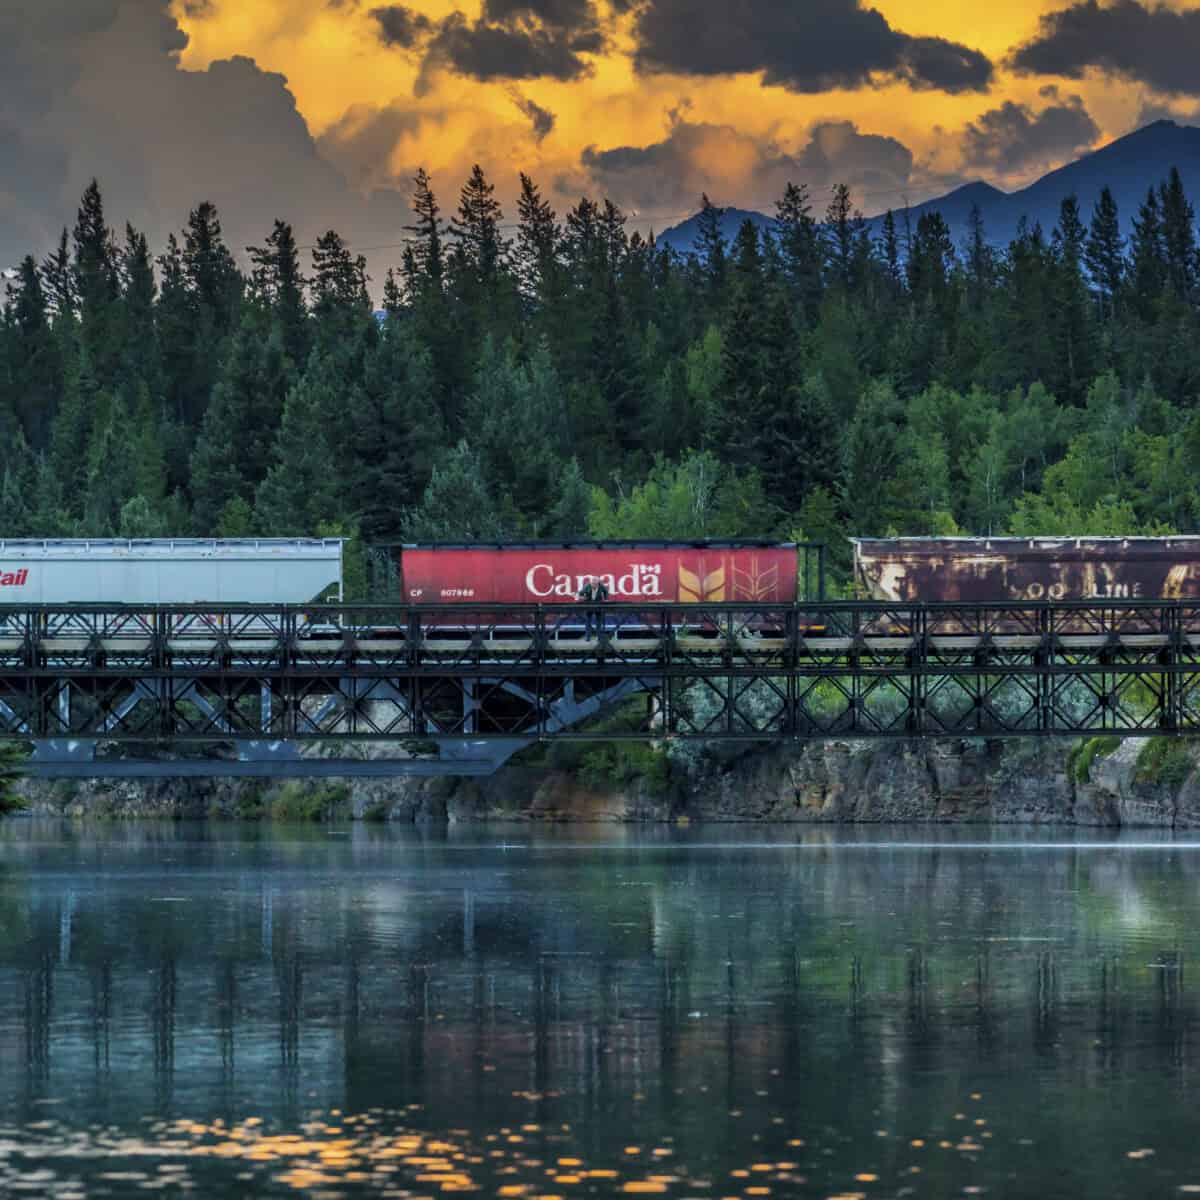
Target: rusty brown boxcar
[1023, 569]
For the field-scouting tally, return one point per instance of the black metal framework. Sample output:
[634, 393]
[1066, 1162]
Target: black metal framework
[450, 673]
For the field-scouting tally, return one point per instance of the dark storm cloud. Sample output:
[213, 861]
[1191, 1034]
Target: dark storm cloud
[512, 39]
[484, 50]
[541, 119]
[803, 45]
[667, 177]
[93, 88]
[561, 14]
[401, 26]
[1013, 136]
[1152, 43]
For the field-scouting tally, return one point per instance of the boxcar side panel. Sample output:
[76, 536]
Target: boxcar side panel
[435, 575]
[982, 570]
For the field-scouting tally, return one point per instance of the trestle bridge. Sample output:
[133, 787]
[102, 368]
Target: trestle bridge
[377, 690]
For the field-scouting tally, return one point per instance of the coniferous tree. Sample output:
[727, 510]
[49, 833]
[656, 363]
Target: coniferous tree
[33, 380]
[301, 491]
[1105, 253]
[279, 284]
[1178, 237]
[800, 247]
[428, 263]
[710, 247]
[396, 432]
[1072, 307]
[1148, 270]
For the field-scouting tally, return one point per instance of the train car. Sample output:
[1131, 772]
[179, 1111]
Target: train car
[907, 570]
[635, 572]
[147, 572]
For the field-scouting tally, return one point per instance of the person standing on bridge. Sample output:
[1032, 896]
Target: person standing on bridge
[586, 594]
[600, 594]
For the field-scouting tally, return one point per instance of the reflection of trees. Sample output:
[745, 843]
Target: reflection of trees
[771, 978]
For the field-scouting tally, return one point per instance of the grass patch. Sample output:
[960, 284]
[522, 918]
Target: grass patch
[295, 802]
[1163, 761]
[1079, 764]
[623, 763]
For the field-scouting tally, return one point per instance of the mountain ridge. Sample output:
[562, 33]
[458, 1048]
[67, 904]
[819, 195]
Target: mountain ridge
[1129, 165]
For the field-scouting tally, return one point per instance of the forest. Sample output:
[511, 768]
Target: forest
[537, 376]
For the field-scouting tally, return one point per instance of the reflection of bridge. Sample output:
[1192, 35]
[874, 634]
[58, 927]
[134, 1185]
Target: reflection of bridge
[482, 683]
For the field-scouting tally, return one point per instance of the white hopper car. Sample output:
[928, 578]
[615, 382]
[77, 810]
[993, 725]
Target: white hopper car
[151, 571]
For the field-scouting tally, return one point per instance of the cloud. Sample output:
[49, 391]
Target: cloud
[511, 39]
[1013, 137]
[559, 14]
[485, 51]
[362, 142]
[1151, 43]
[541, 119]
[93, 88]
[401, 26]
[802, 45]
[665, 179]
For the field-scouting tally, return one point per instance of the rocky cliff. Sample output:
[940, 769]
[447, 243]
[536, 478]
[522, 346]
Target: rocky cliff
[1101, 782]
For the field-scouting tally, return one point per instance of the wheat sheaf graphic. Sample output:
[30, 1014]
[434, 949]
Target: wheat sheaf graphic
[700, 586]
[751, 583]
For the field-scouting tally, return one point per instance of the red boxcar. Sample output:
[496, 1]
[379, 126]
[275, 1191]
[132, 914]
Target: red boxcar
[658, 572]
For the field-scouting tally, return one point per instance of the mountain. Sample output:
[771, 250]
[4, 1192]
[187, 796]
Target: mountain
[1129, 166]
[683, 237]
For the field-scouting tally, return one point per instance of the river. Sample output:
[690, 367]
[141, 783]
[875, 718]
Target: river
[226, 1009]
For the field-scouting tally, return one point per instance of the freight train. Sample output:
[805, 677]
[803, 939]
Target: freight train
[303, 571]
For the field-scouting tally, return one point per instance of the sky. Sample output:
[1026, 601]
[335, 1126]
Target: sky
[321, 111]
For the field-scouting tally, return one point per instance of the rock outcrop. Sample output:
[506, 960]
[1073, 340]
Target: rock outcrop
[1104, 783]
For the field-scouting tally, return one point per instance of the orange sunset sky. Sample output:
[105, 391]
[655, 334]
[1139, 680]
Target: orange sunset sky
[321, 110]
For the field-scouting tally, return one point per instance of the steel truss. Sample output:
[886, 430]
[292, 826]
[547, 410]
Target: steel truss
[446, 674]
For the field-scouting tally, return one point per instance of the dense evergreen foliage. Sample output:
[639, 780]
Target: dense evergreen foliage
[559, 377]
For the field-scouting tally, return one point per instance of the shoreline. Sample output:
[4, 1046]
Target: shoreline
[1097, 782]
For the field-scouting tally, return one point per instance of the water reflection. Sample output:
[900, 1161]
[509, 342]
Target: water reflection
[846, 1012]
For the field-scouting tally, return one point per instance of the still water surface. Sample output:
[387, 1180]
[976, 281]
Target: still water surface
[232, 1010]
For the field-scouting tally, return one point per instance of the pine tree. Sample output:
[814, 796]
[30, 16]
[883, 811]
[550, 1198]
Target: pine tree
[142, 360]
[1072, 309]
[536, 257]
[800, 246]
[1148, 270]
[95, 284]
[456, 506]
[980, 260]
[428, 262]
[249, 395]
[842, 228]
[300, 490]
[710, 246]
[1105, 254]
[569, 516]
[1178, 237]
[479, 249]
[279, 284]
[521, 429]
[889, 245]
[34, 378]
[396, 433]
[213, 278]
